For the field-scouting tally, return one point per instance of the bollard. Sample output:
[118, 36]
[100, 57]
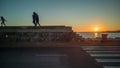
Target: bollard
[104, 38]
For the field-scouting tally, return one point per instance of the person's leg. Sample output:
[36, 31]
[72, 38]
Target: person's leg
[1, 24]
[4, 24]
[35, 23]
[39, 24]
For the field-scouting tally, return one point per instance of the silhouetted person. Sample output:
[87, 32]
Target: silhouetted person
[3, 21]
[35, 19]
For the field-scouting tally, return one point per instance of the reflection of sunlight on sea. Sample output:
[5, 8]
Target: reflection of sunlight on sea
[93, 35]
[89, 35]
[96, 35]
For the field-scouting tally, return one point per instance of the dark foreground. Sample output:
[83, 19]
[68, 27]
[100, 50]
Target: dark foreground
[46, 57]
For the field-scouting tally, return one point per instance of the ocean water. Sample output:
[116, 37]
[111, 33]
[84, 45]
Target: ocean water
[94, 35]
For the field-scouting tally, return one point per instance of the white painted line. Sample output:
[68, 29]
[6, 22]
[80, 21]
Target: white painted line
[100, 47]
[105, 55]
[111, 66]
[107, 60]
[103, 51]
[97, 46]
[50, 55]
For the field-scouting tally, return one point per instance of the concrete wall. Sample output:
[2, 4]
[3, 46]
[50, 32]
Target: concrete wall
[36, 33]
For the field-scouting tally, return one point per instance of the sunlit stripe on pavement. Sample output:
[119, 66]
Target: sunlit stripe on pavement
[50, 55]
[105, 55]
[103, 51]
[111, 66]
[107, 60]
[99, 46]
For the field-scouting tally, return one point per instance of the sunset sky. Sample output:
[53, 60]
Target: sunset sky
[82, 15]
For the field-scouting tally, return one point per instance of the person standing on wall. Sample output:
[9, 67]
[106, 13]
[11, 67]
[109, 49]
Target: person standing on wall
[3, 21]
[35, 19]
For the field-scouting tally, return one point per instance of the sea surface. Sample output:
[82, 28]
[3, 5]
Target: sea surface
[94, 35]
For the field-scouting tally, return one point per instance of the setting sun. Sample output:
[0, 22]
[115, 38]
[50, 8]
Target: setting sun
[96, 29]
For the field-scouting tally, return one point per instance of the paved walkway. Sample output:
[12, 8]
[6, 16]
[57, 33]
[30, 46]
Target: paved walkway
[46, 57]
[108, 56]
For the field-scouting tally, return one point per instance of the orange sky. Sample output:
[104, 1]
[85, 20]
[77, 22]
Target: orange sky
[82, 15]
[90, 28]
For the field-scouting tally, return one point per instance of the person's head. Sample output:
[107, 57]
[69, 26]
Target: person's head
[2, 17]
[34, 13]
